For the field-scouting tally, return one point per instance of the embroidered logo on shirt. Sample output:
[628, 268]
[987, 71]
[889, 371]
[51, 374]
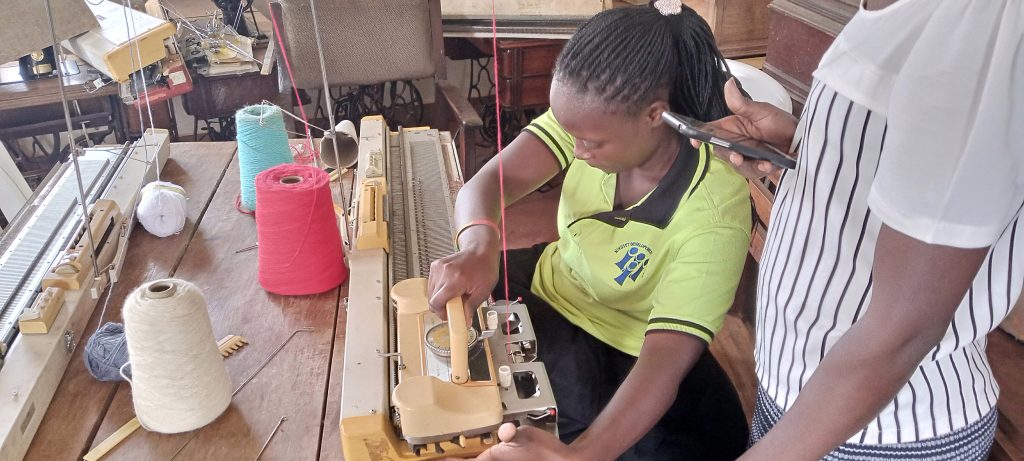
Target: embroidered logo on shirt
[633, 261]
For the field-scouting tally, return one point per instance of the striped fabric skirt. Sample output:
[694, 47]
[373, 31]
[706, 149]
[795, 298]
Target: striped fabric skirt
[968, 444]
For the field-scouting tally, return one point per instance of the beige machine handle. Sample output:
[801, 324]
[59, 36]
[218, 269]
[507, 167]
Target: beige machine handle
[458, 332]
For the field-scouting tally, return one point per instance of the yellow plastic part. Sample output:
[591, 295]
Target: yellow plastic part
[37, 319]
[72, 270]
[430, 407]
[373, 229]
[459, 341]
[371, 438]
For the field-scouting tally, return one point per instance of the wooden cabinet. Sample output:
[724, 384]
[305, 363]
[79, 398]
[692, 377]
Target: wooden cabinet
[740, 26]
[799, 33]
[526, 67]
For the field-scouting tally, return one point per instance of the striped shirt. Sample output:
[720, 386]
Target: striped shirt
[859, 168]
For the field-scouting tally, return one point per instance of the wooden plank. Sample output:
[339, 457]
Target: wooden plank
[330, 445]
[293, 384]
[330, 439]
[757, 239]
[70, 424]
[763, 199]
[733, 347]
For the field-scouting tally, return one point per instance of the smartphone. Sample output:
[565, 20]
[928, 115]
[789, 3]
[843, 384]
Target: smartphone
[745, 146]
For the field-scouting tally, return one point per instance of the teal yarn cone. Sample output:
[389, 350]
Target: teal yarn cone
[262, 144]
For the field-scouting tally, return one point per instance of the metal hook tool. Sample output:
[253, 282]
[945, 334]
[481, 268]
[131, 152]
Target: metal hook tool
[272, 433]
[269, 358]
[246, 381]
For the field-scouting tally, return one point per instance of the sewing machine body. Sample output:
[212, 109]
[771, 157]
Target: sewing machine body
[400, 398]
[120, 46]
[53, 293]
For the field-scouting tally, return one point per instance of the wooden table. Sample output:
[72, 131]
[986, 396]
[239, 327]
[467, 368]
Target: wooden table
[302, 383]
[30, 93]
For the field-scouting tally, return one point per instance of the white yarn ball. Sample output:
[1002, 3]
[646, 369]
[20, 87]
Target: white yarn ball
[179, 381]
[162, 208]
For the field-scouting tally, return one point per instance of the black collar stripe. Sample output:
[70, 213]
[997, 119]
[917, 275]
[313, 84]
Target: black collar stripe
[661, 205]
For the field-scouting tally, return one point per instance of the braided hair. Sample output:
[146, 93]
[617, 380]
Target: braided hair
[632, 55]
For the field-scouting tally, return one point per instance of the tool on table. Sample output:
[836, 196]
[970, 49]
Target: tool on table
[227, 346]
[272, 433]
[246, 381]
[269, 358]
[248, 248]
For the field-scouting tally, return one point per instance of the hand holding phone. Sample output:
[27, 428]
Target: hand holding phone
[743, 145]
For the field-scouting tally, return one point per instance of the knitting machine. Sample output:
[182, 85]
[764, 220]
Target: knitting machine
[55, 261]
[415, 387]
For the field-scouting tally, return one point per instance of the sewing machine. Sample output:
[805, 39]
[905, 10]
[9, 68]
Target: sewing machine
[54, 264]
[125, 41]
[415, 387]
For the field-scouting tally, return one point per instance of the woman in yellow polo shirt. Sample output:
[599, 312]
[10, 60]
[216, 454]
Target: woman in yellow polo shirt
[653, 235]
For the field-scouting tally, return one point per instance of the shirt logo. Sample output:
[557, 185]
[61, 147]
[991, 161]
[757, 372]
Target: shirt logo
[633, 261]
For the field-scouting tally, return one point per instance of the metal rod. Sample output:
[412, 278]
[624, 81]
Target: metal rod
[71, 142]
[330, 110]
[132, 34]
[327, 88]
[269, 358]
[267, 442]
[296, 117]
[248, 248]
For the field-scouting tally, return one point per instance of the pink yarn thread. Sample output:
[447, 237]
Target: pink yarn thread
[299, 243]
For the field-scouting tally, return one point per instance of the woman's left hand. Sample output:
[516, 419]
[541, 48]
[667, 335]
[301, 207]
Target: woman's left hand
[526, 444]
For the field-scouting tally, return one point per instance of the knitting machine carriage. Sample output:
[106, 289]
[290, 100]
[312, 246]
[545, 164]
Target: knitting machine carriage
[415, 387]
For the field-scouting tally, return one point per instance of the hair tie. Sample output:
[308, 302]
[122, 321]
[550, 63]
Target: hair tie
[669, 7]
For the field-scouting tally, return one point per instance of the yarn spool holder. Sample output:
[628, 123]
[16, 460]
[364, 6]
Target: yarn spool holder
[160, 290]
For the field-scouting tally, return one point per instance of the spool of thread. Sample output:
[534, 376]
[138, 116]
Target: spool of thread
[179, 382]
[300, 245]
[162, 208]
[348, 146]
[262, 144]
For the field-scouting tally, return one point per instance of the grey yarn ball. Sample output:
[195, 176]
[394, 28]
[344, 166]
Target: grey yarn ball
[106, 352]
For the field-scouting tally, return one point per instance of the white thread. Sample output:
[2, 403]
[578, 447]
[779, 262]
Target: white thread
[162, 208]
[179, 381]
[669, 7]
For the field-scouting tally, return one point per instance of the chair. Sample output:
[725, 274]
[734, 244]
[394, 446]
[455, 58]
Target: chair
[375, 49]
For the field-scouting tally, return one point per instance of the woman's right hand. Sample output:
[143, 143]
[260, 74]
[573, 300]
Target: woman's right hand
[470, 273]
[757, 120]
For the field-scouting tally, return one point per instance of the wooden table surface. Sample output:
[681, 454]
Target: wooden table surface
[301, 383]
[31, 93]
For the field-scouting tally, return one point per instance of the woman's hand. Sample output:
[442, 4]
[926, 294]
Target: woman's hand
[471, 273]
[756, 120]
[526, 444]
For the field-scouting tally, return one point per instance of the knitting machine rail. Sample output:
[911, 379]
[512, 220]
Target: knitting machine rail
[48, 278]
